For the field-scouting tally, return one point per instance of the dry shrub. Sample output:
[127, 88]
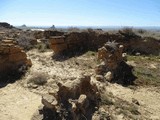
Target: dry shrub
[41, 47]
[38, 79]
[141, 31]
[1, 38]
[25, 40]
[128, 32]
[73, 29]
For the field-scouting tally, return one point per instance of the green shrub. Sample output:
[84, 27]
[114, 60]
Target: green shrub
[41, 47]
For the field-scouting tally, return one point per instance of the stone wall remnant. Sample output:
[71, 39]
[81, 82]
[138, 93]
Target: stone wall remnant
[58, 44]
[12, 58]
[112, 65]
[92, 40]
[73, 100]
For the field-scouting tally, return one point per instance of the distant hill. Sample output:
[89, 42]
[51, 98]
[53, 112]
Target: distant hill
[6, 25]
[23, 25]
[53, 27]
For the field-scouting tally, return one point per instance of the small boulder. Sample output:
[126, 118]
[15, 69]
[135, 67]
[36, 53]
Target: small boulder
[108, 76]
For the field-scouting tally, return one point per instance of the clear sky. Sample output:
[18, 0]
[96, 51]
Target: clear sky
[81, 12]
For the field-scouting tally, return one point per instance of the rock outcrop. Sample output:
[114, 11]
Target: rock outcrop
[5, 25]
[12, 58]
[112, 65]
[73, 101]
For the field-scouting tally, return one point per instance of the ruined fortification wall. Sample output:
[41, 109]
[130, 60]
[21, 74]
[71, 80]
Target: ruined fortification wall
[93, 40]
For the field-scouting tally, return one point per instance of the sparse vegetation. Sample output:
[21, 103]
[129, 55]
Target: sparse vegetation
[141, 31]
[38, 79]
[41, 47]
[24, 41]
[125, 108]
[128, 32]
[91, 53]
[147, 69]
[73, 29]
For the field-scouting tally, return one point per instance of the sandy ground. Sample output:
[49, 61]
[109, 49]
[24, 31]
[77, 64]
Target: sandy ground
[72, 67]
[149, 98]
[17, 103]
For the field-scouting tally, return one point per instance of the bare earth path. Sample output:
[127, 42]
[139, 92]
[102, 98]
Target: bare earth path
[17, 103]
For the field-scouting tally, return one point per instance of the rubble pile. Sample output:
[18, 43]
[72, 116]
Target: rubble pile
[82, 97]
[12, 58]
[73, 101]
[112, 65]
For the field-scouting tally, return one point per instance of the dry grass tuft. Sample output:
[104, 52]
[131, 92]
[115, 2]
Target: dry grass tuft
[38, 79]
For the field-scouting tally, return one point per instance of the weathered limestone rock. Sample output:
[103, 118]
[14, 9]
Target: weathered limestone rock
[108, 76]
[100, 78]
[74, 100]
[113, 66]
[58, 44]
[49, 101]
[12, 58]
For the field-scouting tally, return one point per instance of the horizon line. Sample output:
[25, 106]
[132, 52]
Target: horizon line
[88, 25]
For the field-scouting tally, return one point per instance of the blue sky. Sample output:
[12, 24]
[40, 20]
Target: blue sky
[81, 12]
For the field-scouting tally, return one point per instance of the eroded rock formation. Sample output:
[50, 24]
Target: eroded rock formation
[112, 65]
[74, 100]
[12, 58]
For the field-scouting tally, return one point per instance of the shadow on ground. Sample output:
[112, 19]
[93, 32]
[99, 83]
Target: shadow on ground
[67, 55]
[11, 77]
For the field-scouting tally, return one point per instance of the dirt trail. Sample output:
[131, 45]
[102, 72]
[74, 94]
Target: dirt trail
[149, 98]
[17, 103]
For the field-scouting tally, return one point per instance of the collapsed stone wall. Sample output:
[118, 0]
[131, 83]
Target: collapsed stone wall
[112, 65]
[58, 44]
[72, 41]
[93, 40]
[49, 33]
[12, 58]
[74, 100]
[81, 98]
